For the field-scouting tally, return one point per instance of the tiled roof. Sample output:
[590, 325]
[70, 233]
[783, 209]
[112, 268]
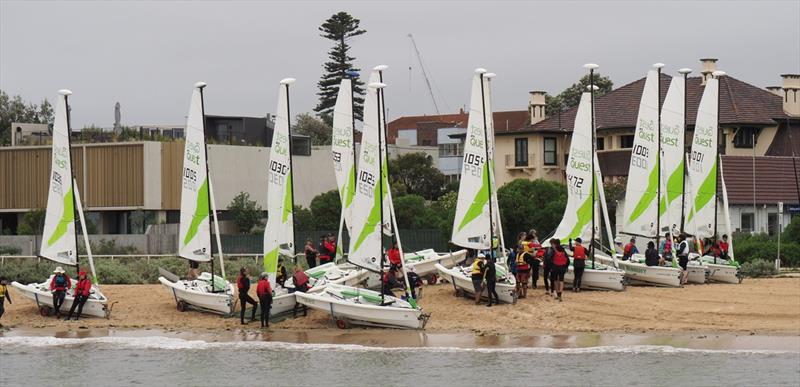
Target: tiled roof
[740, 103]
[503, 121]
[775, 179]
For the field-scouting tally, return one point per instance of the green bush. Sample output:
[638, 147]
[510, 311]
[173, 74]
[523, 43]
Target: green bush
[9, 250]
[762, 246]
[758, 268]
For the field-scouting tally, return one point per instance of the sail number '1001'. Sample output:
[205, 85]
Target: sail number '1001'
[473, 164]
[277, 172]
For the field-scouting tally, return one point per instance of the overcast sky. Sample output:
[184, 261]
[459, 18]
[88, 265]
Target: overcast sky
[147, 55]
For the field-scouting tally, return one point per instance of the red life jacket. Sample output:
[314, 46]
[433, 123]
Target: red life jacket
[724, 247]
[83, 287]
[628, 249]
[394, 256]
[240, 282]
[560, 258]
[579, 252]
[537, 247]
[300, 279]
[63, 286]
[263, 288]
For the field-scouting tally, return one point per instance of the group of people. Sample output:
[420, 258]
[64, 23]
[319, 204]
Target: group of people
[528, 256]
[60, 285]
[679, 248]
[264, 292]
[325, 250]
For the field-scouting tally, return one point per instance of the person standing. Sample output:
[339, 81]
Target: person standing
[300, 280]
[683, 257]
[243, 283]
[560, 266]
[523, 270]
[578, 263]
[547, 266]
[651, 257]
[264, 293]
[477, 271]
[326, 250]
[81, 294]
[311, 253]
[537, 253]
[59, 286]
[4, 296]
[490, 277]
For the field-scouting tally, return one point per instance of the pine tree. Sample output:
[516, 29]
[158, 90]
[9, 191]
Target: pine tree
[339, 28]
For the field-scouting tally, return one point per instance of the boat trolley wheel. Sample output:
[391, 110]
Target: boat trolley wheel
[45, 311]
[342, 323]
[433, 279]
[182, 307]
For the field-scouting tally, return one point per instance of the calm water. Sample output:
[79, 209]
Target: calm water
[169, 361]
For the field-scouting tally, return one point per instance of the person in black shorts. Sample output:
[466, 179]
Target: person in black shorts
[683, 257]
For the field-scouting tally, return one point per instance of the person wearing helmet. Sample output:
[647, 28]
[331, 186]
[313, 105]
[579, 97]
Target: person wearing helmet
[82, 290]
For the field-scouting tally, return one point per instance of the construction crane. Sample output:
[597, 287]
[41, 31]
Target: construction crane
[424, 73]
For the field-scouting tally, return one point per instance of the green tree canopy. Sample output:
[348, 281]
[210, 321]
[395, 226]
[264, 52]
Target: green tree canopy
[14, 109]
[245, 212]
[571, 96]
[414, 173]
[326, 210]
[340, 29]
[32, 223]
[413, 213]
[319, 131]
[531, 204]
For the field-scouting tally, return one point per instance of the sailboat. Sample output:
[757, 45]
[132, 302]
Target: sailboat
[702, 219]
[208, 292]
[643, 192]
[578, 221]
[371, 210]
[476, 224]
[60, 238]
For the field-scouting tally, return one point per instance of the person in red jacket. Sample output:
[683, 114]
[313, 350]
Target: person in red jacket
[59, 286]
[394, 257]
[327, 249]
[724, 247]
[300, 280]
[579, 254]
[264, 293]
[243, 283]
[560, 266]
[82, 290]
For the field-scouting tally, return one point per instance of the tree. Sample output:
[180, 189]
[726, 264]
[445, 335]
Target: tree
[319, 131]
[526, 204]
[326, 209]
[615, 191]
[32, 223]
[16, 110]
[571, 96]
[245, 212]
[339, 28]
[412, 213]
[445, 208]
[417, 175]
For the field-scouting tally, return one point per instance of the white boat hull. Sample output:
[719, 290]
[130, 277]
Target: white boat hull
[641, 273]
[330, 273]
[609, 279]
[197, 294]
[427, 265]
[362, 313]
[95, 306]
[698, 274]
[506, 290]
[723, 273]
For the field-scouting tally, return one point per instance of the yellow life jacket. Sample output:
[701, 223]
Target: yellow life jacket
[476, 268]
[3, 291]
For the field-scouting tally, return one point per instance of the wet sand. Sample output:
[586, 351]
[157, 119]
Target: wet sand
[756, 307]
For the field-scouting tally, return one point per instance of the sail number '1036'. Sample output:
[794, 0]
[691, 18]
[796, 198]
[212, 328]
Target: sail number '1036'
[277, 172]
[473, 164]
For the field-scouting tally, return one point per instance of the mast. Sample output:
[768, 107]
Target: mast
[201, 86]
[66, 94]
[353, 76]
[592, 67]
[501, 243]
[385, 146]
[658, 67]
[482, 73]
[286, 82]
[718, 75]
[380, 184]
[685, 71]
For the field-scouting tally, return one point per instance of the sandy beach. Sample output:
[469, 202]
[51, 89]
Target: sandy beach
[755, 307]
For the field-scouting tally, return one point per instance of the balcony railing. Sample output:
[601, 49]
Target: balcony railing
[514, 162]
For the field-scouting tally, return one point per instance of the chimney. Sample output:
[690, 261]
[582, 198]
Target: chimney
[791, 99]
[777, 90]
[536, 106]
[709, 66]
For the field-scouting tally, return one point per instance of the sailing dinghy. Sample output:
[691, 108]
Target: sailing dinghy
[208, 292]
[371, 208]
[477, 221]
[60, 240]
[578, 221]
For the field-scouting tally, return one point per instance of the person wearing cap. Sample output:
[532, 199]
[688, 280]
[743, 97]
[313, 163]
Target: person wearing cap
[59, 286]
[4, 295]
[264, 293]
[81, 294]
[477, 271]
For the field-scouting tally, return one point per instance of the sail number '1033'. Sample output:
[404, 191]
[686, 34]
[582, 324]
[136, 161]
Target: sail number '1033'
[277, 172]
[473, 164]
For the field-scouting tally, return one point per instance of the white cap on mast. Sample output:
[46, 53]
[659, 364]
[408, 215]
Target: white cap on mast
[718, 73]
[658, 65]
[685, 70]
[591, 66]
[64, 92]
[380, 67]
[480, 70]
[377, 85]
[287, 81]
[200, 85]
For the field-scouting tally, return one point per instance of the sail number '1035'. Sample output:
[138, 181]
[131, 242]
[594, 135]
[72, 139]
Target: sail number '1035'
[277, 172]
[473, 164]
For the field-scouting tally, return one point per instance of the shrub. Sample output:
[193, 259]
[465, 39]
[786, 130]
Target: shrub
[9, 250]
[758, 268]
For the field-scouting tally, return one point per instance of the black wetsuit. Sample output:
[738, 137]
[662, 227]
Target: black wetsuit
[491, 281]
[547, 266]
[651, 257]
[244, 298]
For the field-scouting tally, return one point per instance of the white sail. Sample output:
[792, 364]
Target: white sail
[703, 164]
[642, 188]
[471, 223]
[498, 224]
[726, 211]
[376, 77]
[90, 257]
[58, 241]
[673, 155]
[194, 236]
[365, 243]
[343, 157]
[577, 221]
[279, 232]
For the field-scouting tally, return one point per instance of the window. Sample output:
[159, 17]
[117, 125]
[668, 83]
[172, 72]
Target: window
[626, 142]
[301, 146]
[772, 224]
[550, 151]
[601, 143]
[521, 152]
[745, 137]
[748, 222]
[450, 150]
